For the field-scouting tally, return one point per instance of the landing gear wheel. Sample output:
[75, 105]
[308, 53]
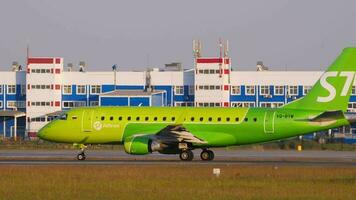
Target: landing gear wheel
[186, 155]
[207, 155]
[81, 156]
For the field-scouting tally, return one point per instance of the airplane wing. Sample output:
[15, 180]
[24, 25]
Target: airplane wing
[177, 133]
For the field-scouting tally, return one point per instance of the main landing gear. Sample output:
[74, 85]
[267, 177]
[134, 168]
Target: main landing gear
[207, 155]
[81, 154]
[188, 155]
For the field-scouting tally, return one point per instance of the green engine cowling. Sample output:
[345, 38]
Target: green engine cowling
[137, 145]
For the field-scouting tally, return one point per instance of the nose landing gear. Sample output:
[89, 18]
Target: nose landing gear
[81, 155]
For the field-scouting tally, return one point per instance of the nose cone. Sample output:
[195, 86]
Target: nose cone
[42, 133]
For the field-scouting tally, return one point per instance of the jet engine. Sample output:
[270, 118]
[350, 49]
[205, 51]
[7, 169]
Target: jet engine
[141, 145]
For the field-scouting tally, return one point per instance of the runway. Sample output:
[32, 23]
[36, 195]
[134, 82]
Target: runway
[222, 157]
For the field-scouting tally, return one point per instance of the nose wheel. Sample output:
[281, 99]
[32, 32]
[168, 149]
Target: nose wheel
[81, 154]
[207, 155]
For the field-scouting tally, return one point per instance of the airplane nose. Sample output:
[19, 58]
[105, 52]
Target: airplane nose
[42, 133]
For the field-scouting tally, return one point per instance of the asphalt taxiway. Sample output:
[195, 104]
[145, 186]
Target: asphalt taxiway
[222, 156]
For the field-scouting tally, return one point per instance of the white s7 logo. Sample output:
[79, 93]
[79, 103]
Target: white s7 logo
[331, 89]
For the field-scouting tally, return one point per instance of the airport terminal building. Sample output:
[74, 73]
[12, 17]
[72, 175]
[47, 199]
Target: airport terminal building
[33, 96]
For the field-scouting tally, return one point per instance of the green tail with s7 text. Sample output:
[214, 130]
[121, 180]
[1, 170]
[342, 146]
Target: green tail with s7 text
[179, 130]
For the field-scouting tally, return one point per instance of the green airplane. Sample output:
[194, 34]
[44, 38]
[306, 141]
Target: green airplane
[179, 130]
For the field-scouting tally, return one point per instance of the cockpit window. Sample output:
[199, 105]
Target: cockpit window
[63, 117]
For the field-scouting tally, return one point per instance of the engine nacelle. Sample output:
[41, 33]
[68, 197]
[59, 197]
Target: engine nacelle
[141, 145]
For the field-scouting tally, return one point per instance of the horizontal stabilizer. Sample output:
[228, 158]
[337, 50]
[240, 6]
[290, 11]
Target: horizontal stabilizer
[328, 116]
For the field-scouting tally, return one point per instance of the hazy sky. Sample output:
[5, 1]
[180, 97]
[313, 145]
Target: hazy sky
[300, 34]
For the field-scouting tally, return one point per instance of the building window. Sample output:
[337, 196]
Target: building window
[40, 103]
[95, 89]
[40, 86]
[0, 104]
[81, 89]
[279, 90]
[208, 71]
[179, 90]
[72, 104]
[11, 89]
[264, 90]
[236, 90]
[306, 89]
[40, 71]
[67, 89]
[191, 90]
[293, 90]
[242, 104]
[183, 104]
[209, 104]
[351, 106]
[0, 89]
[209, 87]
[353, 90]
[16, 104]
[23, 89]
[271, 104]
[94, 103]
[250, 90]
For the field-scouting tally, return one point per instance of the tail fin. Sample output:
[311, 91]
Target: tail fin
[332, 91]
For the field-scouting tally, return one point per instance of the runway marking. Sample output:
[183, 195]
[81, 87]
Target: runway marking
[175, 162]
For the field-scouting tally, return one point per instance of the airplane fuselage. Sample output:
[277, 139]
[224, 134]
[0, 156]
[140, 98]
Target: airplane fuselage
[217, 126]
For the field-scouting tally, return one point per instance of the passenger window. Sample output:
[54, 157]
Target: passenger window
[246, 119]
[120, 118]
[128, 118]
[74, 117]
[146, 118]
[164, 118]
[102, 118]
[173, 118]
[111, 118]
[210, 119]
[192, 119]
[255, 119]
[219, 119]
[137, 118]
[201, 119]
[155, 119]
[227, 119]
[236, 119]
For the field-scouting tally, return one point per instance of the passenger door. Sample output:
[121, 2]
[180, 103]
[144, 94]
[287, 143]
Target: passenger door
[87, 120]
[269, 121]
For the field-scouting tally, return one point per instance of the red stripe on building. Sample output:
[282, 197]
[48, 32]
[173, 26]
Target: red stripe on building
[32, 134]
[57, 104]
[51, 103]
[58, 60]
[226, 87]
[226, 104]
[226, 71]
[57, 87]
[40, 60]
[213, 60]
[58, 71]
